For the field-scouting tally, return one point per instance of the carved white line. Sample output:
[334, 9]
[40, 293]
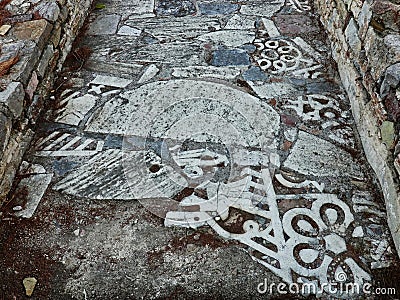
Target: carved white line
[197, 157]
[56, 142]
[84, 144]
[319, 186]
[300, 5]
[209, 71]
[70, 143]
[306, 72]
[149, 73]
[73, 95]
[383, 245]
[366, 209]
[270, 28]
[56, 147]
[110, 81]
[365, 202]
[312, 101]
[48, 138]
[307, 48]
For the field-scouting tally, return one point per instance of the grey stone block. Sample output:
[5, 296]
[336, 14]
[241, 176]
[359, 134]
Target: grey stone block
[5, 130]
[178, 8]
[37, 31]
[44, 60]
[13, 98]
[48, 10]
[104, 25]
[230, 57]
[391, 80]
[392, 42]
[217, 8]
[352, 37]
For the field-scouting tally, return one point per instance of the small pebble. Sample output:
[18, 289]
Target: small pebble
[17, 208]
[29, 284]
[4, 29]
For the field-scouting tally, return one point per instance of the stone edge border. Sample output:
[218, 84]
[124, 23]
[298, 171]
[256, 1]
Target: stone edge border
[365, 42]
[51, 34]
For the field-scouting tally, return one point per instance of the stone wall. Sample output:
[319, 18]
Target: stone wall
[366, 46]
[35, 38]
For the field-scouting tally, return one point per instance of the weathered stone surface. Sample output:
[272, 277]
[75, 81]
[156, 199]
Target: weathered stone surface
[47, 55]
[13, 98]
[273, 89]
[15, 148]
[261, 8]
[388, 13]
[28, 54]
[48, 10]
[254, 73]
[352, 38]
[182, 54]
[125, 117]
[209, 71]
[234, 57]
[391, 80]
[392, 42]
[75, 108]
[240, 22]
[32, 188]
[388, 134]
[141, 8]
[128, 30]
[37, 31]
[314, 156]
[229, 38]
[295, 25]
[149, 73]
[178, 8]
[26, 34]
[32, 85]
[18, 19]
[104, 25]
[217, 8]
[171, 29]
[5, 130]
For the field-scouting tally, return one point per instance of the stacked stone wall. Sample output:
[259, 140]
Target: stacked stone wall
[365, 43]
[35, 39]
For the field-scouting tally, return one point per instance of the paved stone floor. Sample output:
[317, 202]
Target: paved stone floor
[196, 150]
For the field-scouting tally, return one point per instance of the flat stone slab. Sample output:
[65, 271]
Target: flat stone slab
[13, 97]
[32, 188]
[314, 156]
[217, 8]
[104, 25]
[229, 38]
[231, 57]
[250, 122]
[172, 28]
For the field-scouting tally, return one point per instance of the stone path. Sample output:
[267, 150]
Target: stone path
[225, 120]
